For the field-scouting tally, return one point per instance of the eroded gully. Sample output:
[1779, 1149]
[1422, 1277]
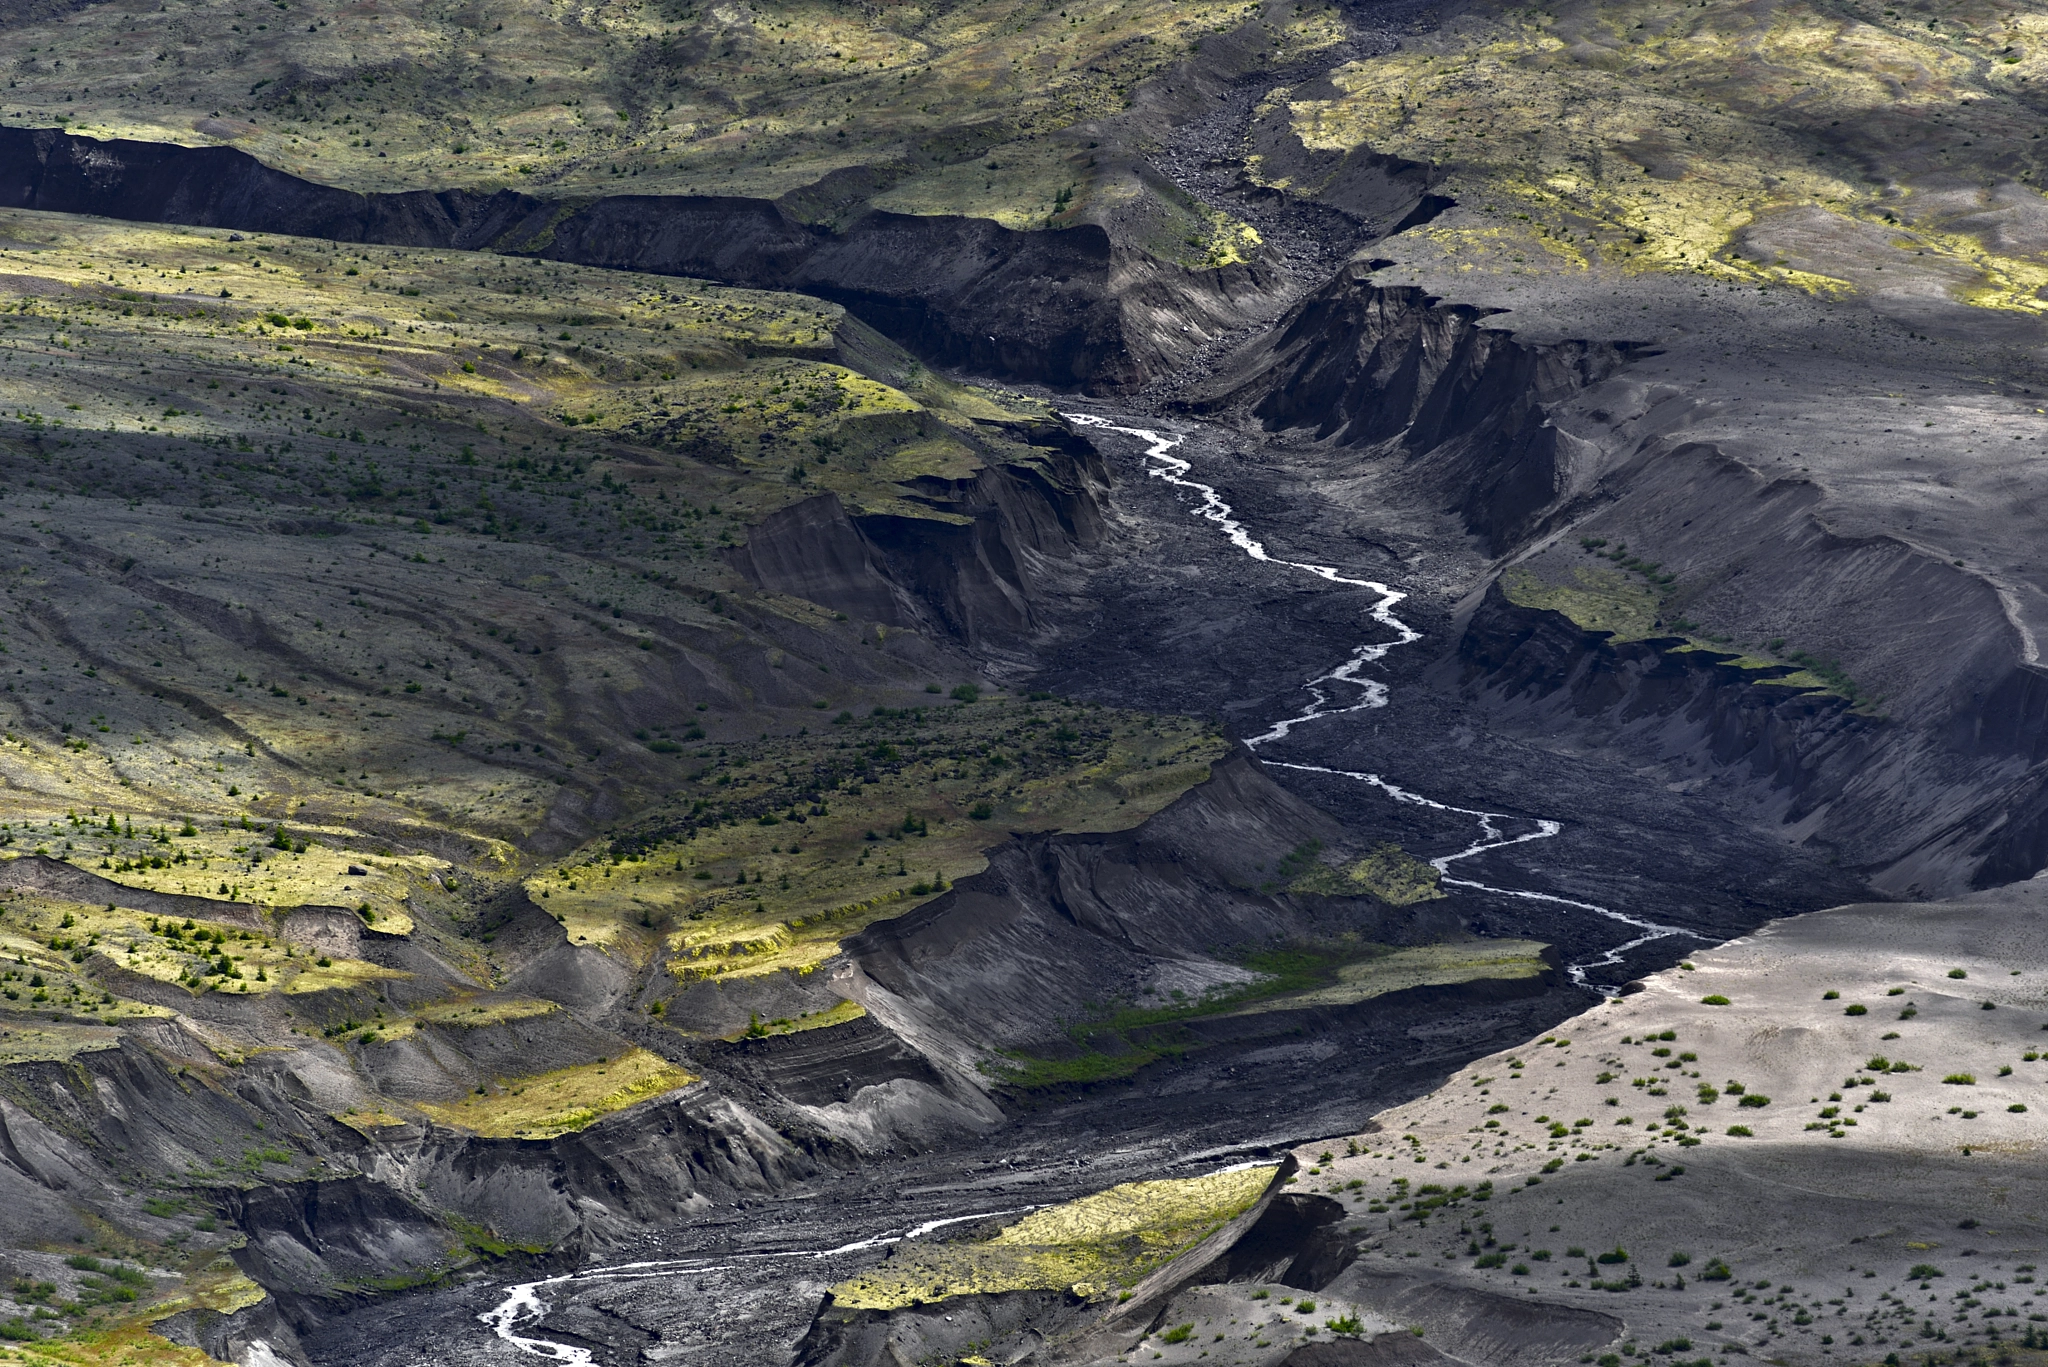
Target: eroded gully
[1162, 464]
[518, 1319]
[523, 1306]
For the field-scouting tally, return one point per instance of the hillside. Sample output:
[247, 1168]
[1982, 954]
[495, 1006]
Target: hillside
[1282, 683]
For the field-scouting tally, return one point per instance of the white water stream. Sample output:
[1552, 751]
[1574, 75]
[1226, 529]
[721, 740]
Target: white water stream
[523, 1307]
[1162, 464]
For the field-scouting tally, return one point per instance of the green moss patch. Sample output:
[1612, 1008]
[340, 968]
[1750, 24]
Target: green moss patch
[1596, 599]
[1640, 601]
[768, 853]
[1389, 873]
[1418, 966]
[1093, 1246]
[1116, 1043]
[544, 1105]
[839, 1013]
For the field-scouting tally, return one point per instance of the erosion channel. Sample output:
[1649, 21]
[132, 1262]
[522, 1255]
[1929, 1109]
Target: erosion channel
[1307, 660]
[1297, 684]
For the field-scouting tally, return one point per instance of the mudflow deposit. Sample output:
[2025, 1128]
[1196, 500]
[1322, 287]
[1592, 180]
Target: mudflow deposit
[1275, 682]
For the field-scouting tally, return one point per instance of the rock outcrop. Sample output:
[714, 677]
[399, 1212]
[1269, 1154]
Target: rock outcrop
[973, 570]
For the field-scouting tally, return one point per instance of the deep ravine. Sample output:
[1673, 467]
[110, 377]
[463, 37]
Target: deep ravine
[1177, 618]
[1162, 464]
[520, 1318]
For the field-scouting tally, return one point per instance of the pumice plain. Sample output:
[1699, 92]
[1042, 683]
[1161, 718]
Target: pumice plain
[1269, 682]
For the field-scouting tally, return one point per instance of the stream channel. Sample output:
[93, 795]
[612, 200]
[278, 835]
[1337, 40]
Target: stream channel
[1192, 613]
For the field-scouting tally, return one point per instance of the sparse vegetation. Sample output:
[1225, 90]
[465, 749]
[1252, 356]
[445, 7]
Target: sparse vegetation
[779, 848]
[1120, 1041]
[662, 103]
[544, 1105]
[1098, 1246]
[1388, 873]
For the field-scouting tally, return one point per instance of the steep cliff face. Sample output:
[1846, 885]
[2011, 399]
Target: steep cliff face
[1949, 796]
[1061, 924]
[1069, 308]
[332, 1205]
[1916, 755]
[1918, 758]
[1662, 696]
[1362, 365]
[975, 569]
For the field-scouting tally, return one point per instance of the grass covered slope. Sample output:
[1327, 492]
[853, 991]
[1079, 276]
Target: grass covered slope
[463, 358]
[1094, 1247]
[950, 108]
[380, 666]
[1752, 141]
[184, 406]
[563, 1101]
[1813, 1144]
[776, 850]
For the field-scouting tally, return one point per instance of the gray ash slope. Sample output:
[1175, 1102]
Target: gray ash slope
[1245, 641]
[1241, 638]
[1431, 433]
